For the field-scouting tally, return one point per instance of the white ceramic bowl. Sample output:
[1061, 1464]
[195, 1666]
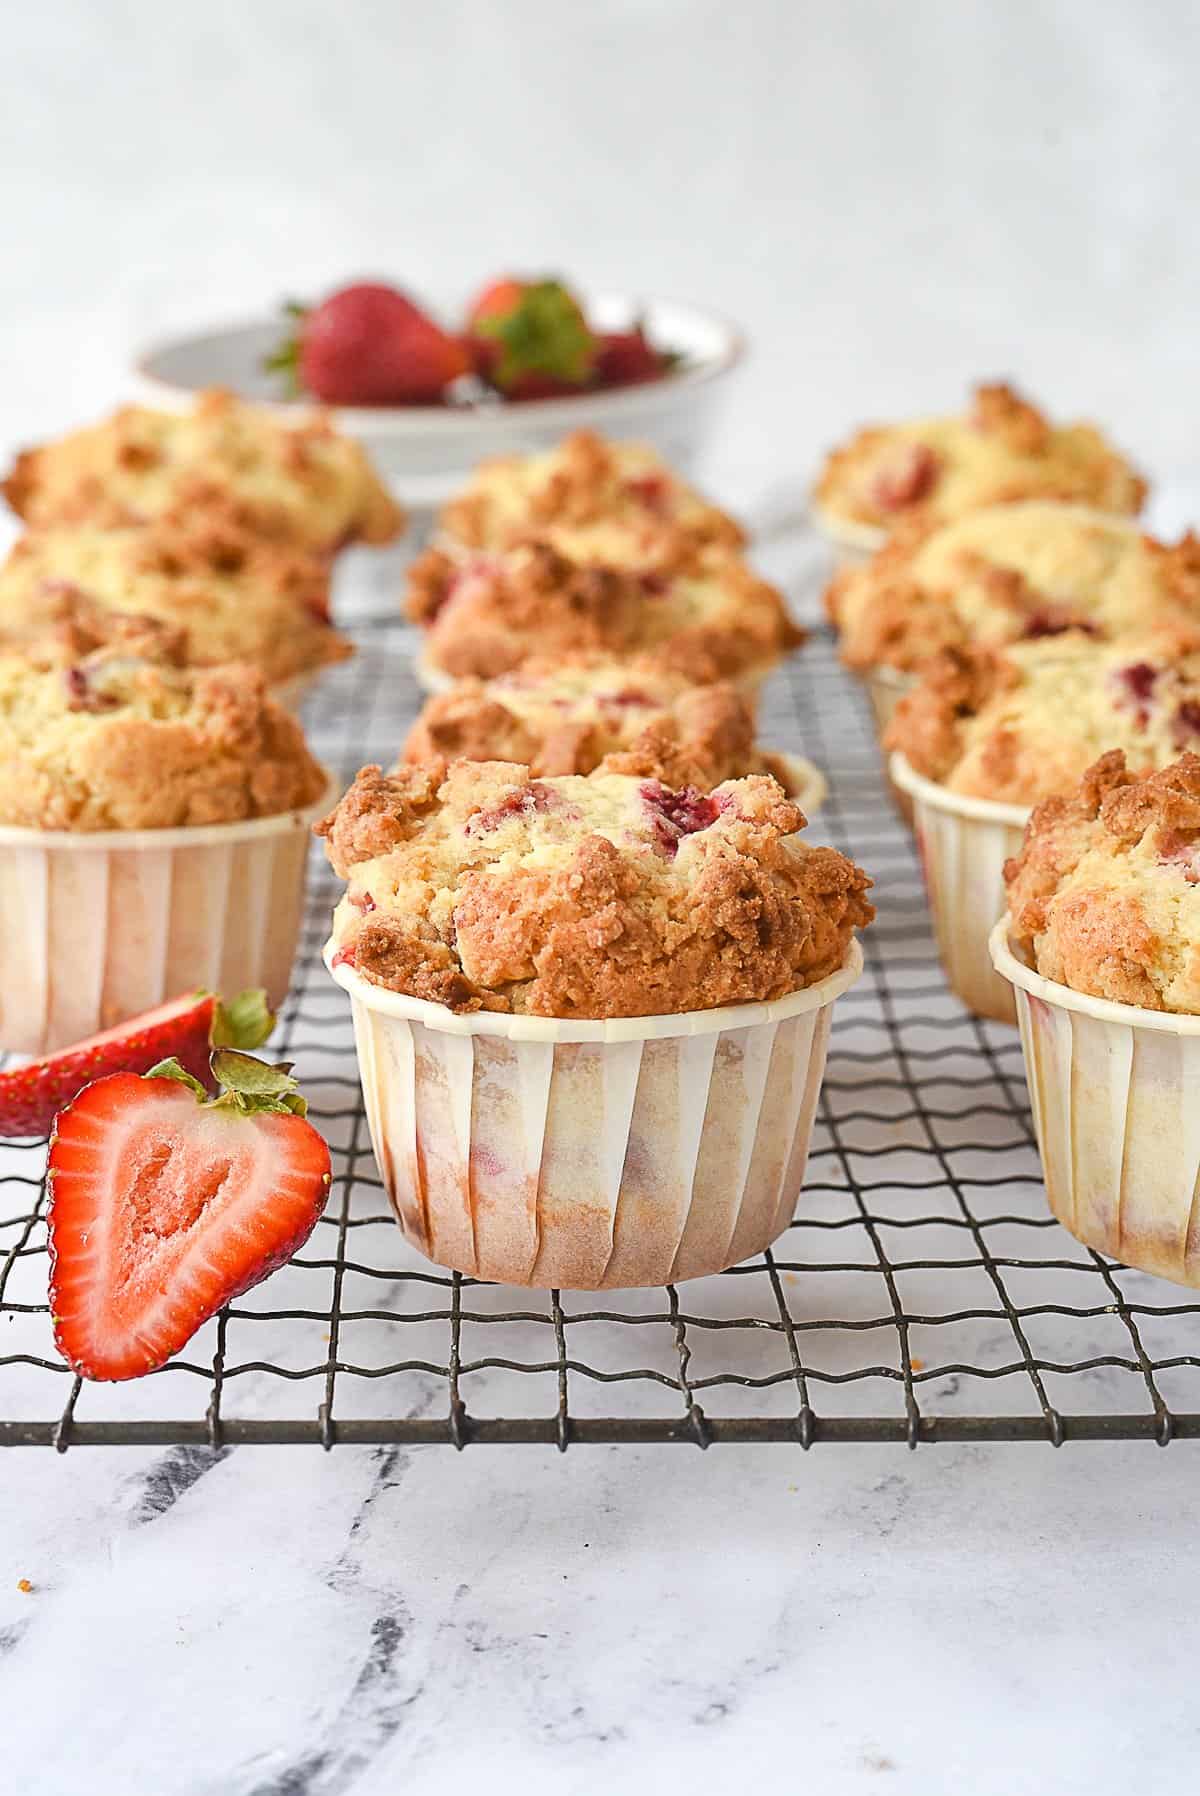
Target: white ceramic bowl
[426, 452]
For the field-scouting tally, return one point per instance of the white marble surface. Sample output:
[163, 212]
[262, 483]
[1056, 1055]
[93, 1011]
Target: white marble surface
[894, 199]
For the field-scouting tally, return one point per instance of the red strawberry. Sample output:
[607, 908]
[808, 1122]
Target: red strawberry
[531, 340]
[370, 345]
[628, 358]
[186, 1028]
[166, 1204]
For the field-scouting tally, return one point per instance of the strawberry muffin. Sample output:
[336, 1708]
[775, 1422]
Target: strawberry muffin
[492, 613]
[227, 594]
[1102, 950]
[614, 502]
[566, 716]
[123, 738]
[590, 1012]
[1021, 723]
[1007, 573]
[603, 895]
[152, 836]
[300, 483]
[1104, 896]
[935, 469]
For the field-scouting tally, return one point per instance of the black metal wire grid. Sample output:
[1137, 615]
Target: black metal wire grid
[923, 1292]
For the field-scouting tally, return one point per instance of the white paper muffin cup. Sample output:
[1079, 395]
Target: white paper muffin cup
[964, 843]
[886, 686]
[591, 1155]
[807, 785]
[852, 542]
[1114, 1094]
[96, 927]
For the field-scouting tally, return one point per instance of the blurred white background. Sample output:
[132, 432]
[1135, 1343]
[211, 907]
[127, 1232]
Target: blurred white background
[892, 198]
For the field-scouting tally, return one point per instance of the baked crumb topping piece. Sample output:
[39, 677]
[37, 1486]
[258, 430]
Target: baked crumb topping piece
[227, 594]
[566, 716]
[301, 483]
[1020, 723]
[1003, 449]
[480, 886]
[1011, 573]
[1105, 893]
[618, 500]
[121, 737]
[489, 614]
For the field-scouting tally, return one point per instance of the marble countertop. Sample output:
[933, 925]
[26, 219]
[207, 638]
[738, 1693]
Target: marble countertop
[280, 1623]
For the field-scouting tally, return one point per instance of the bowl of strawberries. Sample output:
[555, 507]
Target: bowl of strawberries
[527, 361]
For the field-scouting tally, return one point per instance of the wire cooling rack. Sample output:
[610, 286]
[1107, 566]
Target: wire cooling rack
[923, 1292]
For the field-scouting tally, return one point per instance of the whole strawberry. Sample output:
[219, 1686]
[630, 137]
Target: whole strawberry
[530, 339]
[166, 1204]
[629, 359]
[368, 344]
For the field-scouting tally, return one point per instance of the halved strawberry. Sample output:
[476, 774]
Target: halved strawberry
[629, 359]
[166, 1204]
[187, 1028]
[530, 339]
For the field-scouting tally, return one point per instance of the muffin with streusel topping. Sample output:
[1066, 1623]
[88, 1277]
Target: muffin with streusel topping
[1104, 895]
[590, 1012]
[1021, 723]
[936, 469]
[1102, 949]
[566, 716]
[619, 500]
[152, 827]
[295, 482]
[597, 895]
[489, 614]
[1010, 573]
[231, 595]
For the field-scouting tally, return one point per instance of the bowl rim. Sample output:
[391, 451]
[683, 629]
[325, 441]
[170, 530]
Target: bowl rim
[381, 421]
[956, 804]
[1009, 964]
[190, 835]
[657, 1026]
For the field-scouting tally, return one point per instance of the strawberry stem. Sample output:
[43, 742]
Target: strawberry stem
[245, 1084]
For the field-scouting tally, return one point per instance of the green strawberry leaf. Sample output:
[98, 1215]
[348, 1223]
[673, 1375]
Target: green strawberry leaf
[254, 1085]
[245, 1023]
[545, 332]
[171, 1069]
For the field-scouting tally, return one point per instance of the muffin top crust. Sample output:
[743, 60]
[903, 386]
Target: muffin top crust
[232, 596]
[606, 895]
[1105, 894]
[299, 483]
[617, 502]
[124, 740]
[1021, 723]
[1008, 573]
[938, 468]
[567, 716]
[489, 614]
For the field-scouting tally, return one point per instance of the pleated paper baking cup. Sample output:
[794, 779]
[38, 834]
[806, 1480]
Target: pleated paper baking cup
[96, 927]
[591, 1155]
[964, 843]
[886, 686]
[806, 784]
[1114, 1094]
[851, 542]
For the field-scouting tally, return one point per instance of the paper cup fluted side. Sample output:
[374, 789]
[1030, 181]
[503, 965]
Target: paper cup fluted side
[591, 1165]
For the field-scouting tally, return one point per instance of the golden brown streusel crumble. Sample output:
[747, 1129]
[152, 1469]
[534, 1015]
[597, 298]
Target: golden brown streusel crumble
[1004, 449]
[300, 483]
[122, 738]
[479, 886]
[1105, 894]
